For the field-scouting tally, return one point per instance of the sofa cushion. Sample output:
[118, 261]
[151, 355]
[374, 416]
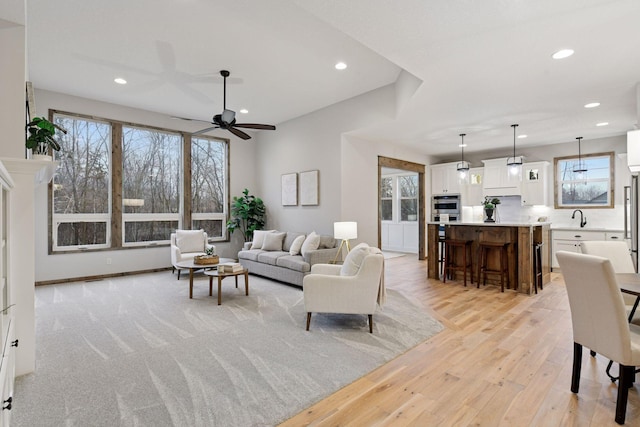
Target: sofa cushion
[293, 262]
[327, 242]
[354, 259]
[273, 242]
[190, 240]
[271, 257]
[290, 238]
[295, 247]
[311, 243]
[258, 238]
[251, 254]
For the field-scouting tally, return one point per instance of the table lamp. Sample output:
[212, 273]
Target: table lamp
[344, 231]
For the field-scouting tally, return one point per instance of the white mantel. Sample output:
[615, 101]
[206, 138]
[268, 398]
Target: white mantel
[26, 175]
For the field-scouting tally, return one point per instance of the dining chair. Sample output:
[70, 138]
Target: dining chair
[599, 320]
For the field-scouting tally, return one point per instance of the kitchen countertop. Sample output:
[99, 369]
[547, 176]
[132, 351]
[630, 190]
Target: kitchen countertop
[492, 224]
[568, 228]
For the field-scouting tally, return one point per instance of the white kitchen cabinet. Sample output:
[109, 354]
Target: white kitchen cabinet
[445, 179]
[534, 183]
[497, 181]
[472, 194]
[7, 340]
[569, 240]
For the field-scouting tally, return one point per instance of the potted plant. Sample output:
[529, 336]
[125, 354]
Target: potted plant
[41, 137]
[489, 205]
[248, 214]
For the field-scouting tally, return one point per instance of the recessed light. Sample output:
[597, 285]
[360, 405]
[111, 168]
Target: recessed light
[244, 111]
[120, 81]
[341, 66]
[602, 124]
[592, 105]
[522, 136]
[563, 53]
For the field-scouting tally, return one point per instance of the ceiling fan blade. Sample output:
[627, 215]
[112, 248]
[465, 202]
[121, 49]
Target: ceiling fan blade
[238, 133]
[200, 132]
[255, 126]
[190, 120]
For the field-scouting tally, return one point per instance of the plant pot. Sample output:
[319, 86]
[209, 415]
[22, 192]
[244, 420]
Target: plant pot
[488, 213]
[41, 157]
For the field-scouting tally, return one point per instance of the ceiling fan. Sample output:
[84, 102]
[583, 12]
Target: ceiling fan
[227, 119]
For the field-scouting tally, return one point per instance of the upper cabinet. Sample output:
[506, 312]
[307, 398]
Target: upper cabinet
[444, 179]
[535, 176]
[497, 179]
[633, 150]
[472, 192]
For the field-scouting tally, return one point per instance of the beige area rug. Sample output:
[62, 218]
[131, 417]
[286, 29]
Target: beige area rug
[136, 351]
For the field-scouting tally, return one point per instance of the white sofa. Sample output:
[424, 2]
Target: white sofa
[280, 262]
[186, 244]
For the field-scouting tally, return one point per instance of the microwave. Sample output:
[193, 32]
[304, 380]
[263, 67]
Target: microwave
[446, 203]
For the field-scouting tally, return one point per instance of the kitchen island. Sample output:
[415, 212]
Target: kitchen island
[521, 238]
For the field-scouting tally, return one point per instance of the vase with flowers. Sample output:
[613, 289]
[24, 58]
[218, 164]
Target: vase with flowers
[490, 205]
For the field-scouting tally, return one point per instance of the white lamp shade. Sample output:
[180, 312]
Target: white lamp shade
[345, 230]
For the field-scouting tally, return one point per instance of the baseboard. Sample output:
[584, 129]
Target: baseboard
[99, 277]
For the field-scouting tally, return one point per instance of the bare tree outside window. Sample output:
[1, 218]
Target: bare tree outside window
[81, 185]
[208, 184]
[592, 188]
[408, 197]
[150, 184]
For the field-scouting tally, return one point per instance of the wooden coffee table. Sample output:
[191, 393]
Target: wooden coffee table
[192, 266]
[220, 276]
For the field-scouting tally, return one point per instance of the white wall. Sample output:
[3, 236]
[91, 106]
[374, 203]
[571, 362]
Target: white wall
[60, 266]
[12, 88]
[348, 166]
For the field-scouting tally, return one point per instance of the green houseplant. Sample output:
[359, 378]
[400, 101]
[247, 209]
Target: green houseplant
[489, 205]
[248, 214]
[41, 136]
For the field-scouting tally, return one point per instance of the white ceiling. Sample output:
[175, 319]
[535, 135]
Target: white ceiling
[483, 64]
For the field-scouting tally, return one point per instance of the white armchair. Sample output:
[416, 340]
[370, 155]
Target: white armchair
[353, 288]
[186, 244]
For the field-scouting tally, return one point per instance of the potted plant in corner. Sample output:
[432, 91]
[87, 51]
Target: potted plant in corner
[41, 138]
[489, 205]
[248, 214]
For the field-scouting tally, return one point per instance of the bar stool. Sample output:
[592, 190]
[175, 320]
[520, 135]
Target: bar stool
[537, 266]
[450, 266]
[503, 268]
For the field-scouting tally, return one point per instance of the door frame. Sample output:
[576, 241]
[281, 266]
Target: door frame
[389, 162]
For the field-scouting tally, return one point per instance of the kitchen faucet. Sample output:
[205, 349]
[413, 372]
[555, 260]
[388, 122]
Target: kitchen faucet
[583, 220]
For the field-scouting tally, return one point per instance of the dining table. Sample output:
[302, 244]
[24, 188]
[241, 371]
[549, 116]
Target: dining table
[630, 284]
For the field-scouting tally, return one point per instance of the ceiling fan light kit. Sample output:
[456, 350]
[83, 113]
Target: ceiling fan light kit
[227, 119]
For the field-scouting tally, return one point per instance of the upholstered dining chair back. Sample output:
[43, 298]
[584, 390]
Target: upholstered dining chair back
[616, 251]
[599, 319]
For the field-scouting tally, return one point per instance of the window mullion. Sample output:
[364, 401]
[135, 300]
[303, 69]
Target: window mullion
[116, 185]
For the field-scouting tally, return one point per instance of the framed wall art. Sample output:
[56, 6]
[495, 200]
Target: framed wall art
[290, 189]
[309, 188]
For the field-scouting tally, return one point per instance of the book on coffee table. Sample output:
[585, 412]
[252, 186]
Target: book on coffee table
[230, 267]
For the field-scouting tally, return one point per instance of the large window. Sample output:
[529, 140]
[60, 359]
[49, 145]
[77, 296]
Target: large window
[81, 209]
[408, 197]
[592, 188]
[151, 185]
[386, 198]
[120, 185]
[208, 183]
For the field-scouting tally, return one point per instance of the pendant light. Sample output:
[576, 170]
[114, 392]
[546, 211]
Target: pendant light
[580, 168]
[514, 163]
[463, 167]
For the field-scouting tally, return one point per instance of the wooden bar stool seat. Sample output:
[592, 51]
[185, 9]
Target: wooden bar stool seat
[503, 262]
[450, 263]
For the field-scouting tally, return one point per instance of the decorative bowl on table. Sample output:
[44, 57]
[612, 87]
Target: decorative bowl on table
[206, 259]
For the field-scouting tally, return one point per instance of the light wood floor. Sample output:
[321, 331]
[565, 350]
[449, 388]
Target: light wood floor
[503, 359]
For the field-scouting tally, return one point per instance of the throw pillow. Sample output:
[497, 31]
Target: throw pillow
[354, 259]
[273, 241]
[296, 245]
[311, 243]
[190, 240]
[258, 238]
[327, 242]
